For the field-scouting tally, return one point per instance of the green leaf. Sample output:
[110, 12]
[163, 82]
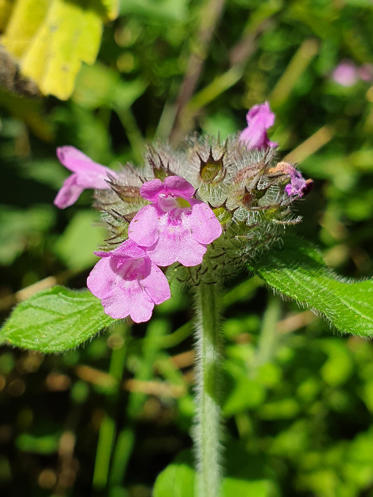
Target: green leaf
[81, 238]
[177, 479]
[55, 320]
[20, 228]
[100, 86]
[163, 10]
[247, 476]
[298, 271]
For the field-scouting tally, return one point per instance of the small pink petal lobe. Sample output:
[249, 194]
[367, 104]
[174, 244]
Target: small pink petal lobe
[68, 193]
[144, 227]
[204, 225]
[151, 189]
[179, 187]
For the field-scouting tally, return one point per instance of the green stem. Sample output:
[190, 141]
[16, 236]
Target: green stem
[208, 427]
[107, 431]
[268, 332]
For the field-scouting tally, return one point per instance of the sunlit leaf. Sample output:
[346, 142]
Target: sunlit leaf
[297, 271]
[55, 320]
[51, 39]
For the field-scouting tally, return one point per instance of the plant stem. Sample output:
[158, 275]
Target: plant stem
[268, 333]
[107, 431]
[208, 427]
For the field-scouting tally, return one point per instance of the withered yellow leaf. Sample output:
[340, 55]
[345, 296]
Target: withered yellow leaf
[51, 38]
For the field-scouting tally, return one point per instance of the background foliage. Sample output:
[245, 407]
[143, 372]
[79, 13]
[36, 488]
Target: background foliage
[107, 417]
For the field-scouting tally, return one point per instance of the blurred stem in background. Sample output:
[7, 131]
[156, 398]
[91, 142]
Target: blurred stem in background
[269, 331]
[107, 433]
[209, 17]
[208, 428]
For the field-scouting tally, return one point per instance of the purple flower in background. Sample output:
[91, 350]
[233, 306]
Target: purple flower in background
[175, 227]
[366, 72]
[128, 283]
[86, 174]
[298, 185]
[259, 119]
[345, 73]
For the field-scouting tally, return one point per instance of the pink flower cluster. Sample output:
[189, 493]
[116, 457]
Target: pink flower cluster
[174, 227]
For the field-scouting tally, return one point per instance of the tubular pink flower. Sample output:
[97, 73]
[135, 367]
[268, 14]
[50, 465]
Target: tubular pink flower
[298, 185]
[175, 227]
[128, 283]
[86, 174]
[259, 119]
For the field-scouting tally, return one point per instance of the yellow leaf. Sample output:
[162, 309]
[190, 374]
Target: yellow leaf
[51, 39]
[5, 10]
[112, 8]
[25, 20]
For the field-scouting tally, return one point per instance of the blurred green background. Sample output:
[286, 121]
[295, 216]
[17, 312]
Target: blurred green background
[107, 418]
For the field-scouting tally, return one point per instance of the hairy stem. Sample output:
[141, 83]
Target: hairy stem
[208, 427]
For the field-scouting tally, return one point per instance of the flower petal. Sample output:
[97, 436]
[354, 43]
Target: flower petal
[179, 187]
[90, 174]
[116, 305]
[68, 193]
[127, 249]
[156, 285]
[191, 252]
[141, 308]
[151, 189]
[102, 278]
[175, 244]
[259, 119]
[204, 224]
[143, 228]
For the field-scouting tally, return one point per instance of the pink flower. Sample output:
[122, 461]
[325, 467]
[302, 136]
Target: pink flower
[298, 185]
[345, 73]
[128, 283]
[86, 174]
[175, 227]
[259, 119]
[365, 72]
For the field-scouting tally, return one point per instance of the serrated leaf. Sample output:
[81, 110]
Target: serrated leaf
[298, 271]
[51, 38]
[55, 320]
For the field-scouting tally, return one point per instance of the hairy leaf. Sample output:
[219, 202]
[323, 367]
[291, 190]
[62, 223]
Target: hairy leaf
[55, 320]
[298, 271]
